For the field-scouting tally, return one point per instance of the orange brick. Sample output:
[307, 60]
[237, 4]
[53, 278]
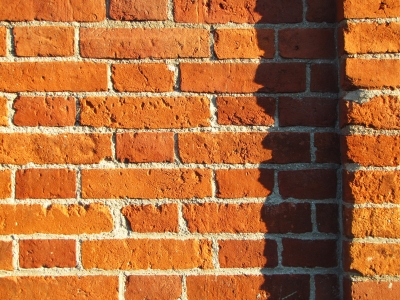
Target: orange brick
[6, 256]
[5, 184]
[45, 183]
[249, 217]
[381, 150]
[53, 77]
[241, 183]
[358, 73]
[248, 254]
[147, 77]
[44, 41]
[244, 147]
[243, 78]
[372, 259]
[60, 287]
[3, 112]
[364, 290]
[56, 10]
[152, 218]
[356, 9]
[244, 43]
[246, 110]
[146, 183]
[44, 111]
[153, 287]
[22, 148]
[145, 113]
[47, 253]
[143, 254]
[3, 39]
[144, 42]
[380, 112]
[145, 147]
[371, 187]
[55, 219]
[139, 10]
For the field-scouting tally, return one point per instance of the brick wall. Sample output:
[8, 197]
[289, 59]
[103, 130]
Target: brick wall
[187, 149]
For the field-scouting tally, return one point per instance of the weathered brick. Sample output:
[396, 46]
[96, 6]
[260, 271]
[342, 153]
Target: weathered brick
[145, 113]
[327, 287]
[22, 148]
[244, 43]
[6, 256]
[45, 184]
[324, 78]
[360, 9]
[146, 77]
[371, 187]
[239, 183]
[238, 11]
[3, 41]
[249, 217]
[60, 287]
[248, 287]
[142, 254]
[368, 150]
[248, 253]
[308, 184]
[139, 10]
[152, 218]
[244, 147]
[246, 111]
[153, 287]
[307, 112]
[146, 183]
[3, 112]
[52, 77]
[47, 253]
[321, 11]
[5, 184]
[364, 290]
[56, 10]
[243, 78]
[309, 253]
[44, 111]
[327, 146]
[327, 218]
[44, 41]
[55, 219]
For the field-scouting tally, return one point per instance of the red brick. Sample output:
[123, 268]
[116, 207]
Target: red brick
[53, 77]
[5, 184]
[246, 111]
[152, 218]
[139, 10]
[45, 184]
[146, 183]
[368, 150]
[309, 253]
[327, 146]
[55, 219]
[239, 183]
[145, 113]
[327, 287]
[243, 78]
[56, 10]
[47, 253]
[324, 78]
[244, 43]
[60, 287]
[307, 43]
[244, 147]
[6, 256]
[364, 290]
[381, 112]
[145, 147]
[249, 217]
[44, 41]
[153, 287]
[143, 254]
[354, 9]
[308, 184]
[3, 112]
[327, 218]
[248, 253]
[23, 148]
[144, 42]
[147, 77]
[3, 41]
[44, 111]
[321, 11]
[248, 287]
[371, 187]
[307, 112]
[359, 73]
[238, 11]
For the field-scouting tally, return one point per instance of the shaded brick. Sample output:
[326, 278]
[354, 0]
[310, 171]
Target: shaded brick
[324, 78]
[327, 146]
[321, 11]
[327, 287]
[327, 218]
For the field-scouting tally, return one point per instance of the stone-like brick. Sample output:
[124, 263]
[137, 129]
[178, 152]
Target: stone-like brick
[138, 10]
[139, 287]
